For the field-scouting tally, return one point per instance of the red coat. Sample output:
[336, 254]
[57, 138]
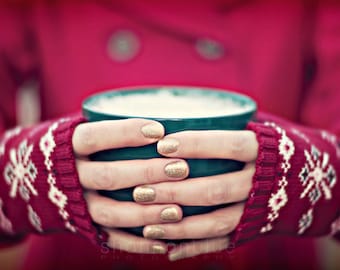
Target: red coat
[284, 54]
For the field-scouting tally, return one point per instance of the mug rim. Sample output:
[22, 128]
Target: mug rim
[88, 102]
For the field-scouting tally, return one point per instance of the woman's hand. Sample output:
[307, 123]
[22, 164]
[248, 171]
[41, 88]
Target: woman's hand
[209, 229]
[89, 138]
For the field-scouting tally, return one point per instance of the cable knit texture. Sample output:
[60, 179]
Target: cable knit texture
[40, 190]
[296, 188]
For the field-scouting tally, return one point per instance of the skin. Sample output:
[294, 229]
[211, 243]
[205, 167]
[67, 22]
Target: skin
[210, 230]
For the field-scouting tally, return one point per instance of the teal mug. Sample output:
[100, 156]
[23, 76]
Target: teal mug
[216, 109]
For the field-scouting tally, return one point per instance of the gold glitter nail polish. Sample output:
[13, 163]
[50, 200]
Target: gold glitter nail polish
[167, 146]
[158, 249]
[177, 169]
[153, 131]
[170, 214]
[153, 232]
[175, 256]
[144, 194]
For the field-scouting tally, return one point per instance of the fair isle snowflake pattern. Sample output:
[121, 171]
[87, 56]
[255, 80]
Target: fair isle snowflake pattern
[318, 177]
[57, 197]
[8, 135]
[5, 223]
[20, 172]
[279, 198]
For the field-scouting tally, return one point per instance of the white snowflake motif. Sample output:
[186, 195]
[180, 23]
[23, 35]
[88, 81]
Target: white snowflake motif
[276, 202]
[317, 176]
[5, 223]
[20, 172]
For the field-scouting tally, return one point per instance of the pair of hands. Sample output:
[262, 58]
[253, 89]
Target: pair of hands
[161, 185]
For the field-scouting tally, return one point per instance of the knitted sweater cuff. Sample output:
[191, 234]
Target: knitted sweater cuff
[40, 190]
[64, 163]
[255, 213]
[295, 189]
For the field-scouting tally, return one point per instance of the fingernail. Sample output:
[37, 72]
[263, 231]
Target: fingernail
[167, 146]
[177, 169]
[158, 249]
[153, 131]
[176, 256]
[144, 194]
[170, 214]
[153, 232]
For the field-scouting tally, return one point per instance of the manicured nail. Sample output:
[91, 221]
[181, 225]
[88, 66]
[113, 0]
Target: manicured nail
[176, 256]
[153, 232]
[177, 169]
[153, 131]
[167, 146]
[170, 214]
[144, 194]
[158, 249]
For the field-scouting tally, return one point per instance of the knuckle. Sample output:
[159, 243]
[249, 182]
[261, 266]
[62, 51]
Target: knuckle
[216, 194]
[195, 146]
[130, 131]
[180, 232]
[138, 247]
[86, 136]
[125, 132]
[222, 226]
[238, 144]
[104, 177]
[171, 195]
[102, 217]
[149, 174]
[146, 215]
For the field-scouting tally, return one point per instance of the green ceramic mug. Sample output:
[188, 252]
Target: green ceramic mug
[209, 109]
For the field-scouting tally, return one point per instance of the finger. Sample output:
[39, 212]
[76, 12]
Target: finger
[111, 213]
[214, 224]
[130, 243]
[238, 145]
[123, 174]
[195, 248]
[96, 136]
[203, 191]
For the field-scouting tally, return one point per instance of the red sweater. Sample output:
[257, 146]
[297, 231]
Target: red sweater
[284, 55]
